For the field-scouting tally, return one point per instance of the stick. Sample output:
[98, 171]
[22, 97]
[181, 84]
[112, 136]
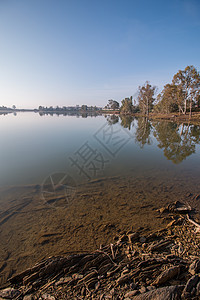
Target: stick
[193, 222]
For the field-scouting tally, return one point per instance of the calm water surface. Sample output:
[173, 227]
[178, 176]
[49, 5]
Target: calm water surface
[71, 183]
[34, 146]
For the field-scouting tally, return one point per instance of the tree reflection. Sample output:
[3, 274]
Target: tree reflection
[178, 141]
[143, 132]
[113, 119]
[126, 121]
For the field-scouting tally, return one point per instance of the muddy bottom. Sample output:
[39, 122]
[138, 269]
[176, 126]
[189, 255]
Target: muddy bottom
[34, 226]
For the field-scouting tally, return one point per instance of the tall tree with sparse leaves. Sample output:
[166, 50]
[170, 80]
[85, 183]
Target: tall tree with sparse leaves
[146, 97]
[188, 81]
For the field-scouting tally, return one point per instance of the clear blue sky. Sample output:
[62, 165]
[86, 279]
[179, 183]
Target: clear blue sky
[86, 52]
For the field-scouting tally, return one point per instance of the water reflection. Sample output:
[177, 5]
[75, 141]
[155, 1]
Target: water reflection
[143, 132]
[112, 119]
[178, 141]
[127, 121]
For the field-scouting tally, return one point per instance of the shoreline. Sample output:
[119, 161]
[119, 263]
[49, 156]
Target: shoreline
[32, 229]
[138, 265]
[152, 116]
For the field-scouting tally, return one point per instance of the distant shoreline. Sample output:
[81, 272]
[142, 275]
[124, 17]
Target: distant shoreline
[152, 116]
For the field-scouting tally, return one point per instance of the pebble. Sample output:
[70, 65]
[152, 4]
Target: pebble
[142, 289]
[142, 239]
[131, 293]
[155, 268]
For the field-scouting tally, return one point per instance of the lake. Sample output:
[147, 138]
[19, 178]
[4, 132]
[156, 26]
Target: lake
[71, 183]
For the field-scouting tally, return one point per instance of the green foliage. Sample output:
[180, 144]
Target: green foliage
[126, 121]
[127, 106]
[168, 99]
[112, 104]
[178, 141]
[146, 97]
[143, 131]
[182, 94]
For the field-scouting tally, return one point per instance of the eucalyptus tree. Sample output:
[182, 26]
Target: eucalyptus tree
[188, 81]
[146, 97]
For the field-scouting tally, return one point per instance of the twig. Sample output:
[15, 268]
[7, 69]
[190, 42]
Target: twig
[194, 223]
[112, 251]
[108, 256]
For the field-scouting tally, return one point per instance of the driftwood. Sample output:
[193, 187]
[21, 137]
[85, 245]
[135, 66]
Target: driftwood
[194, 223]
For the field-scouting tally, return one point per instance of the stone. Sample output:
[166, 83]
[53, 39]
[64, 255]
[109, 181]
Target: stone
[166, 275]
[192, 282]
[162, 210]
[77, 276]
[198, 289]
[48, 297]
[142, 289]
[9, 293]
[131, 293]
[133, 286]
[194, 267]
[164, 293]
[28, 297]
[142, 239]
[151, 287]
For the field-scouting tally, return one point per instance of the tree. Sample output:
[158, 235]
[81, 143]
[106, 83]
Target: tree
[177, 141]
[84, 107]
[112, 119]
[127, 121]
[127, 106]
[14, 107]
[143, 131]
[169, 100]
[188, 81]
[146, 97]
[112, 104]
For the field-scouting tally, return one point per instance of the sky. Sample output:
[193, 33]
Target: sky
[61, 52]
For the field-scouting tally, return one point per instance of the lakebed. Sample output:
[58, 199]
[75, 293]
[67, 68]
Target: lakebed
[149, 165]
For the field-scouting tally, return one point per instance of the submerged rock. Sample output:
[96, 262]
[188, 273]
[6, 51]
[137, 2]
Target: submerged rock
[164, 293]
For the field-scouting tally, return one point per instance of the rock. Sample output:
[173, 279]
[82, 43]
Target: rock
[151, 287]
[9, 293]
[198, 289]
[48, 297]
[63, 280]
[77, 276]
[133, 286]
[164, 293]
[28, 297]
[131, 293]
[162, 210]
[189, 286]
[166, 275]
[142, 239]
[194, 267]
[142, 289]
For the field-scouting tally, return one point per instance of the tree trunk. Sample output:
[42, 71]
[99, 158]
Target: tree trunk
[147, 107]
[190, 108]
[185, 108]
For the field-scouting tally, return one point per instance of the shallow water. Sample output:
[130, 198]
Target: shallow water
[69, 184]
